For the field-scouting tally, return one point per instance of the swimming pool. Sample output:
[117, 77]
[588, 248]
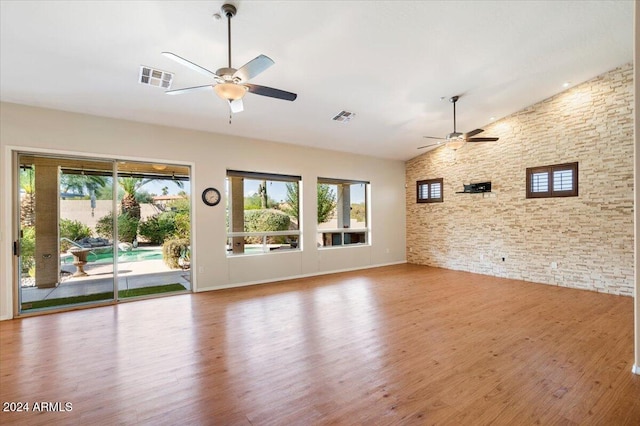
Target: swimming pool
[101, 255]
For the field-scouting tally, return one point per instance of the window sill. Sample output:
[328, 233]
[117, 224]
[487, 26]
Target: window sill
[260, 251]
[344, 246]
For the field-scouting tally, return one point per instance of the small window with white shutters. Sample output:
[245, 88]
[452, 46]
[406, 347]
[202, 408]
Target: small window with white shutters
[558, 180]
[429, 191]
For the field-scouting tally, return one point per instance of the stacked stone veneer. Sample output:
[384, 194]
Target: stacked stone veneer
[582, 242]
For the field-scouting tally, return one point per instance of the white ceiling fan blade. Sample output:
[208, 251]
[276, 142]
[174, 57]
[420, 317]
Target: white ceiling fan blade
[188, 89]
[189, 64]
[430, 145]
[236, 106]
[253, 68]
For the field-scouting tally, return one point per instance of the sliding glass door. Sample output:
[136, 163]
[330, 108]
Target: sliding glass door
[63, 260]
[154, 228]
[94, 231]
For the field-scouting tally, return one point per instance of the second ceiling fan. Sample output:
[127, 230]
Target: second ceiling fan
[231, 84]
[455, 140]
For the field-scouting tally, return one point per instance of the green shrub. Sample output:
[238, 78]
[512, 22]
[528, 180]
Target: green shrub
[265, 220]
[173, 249]
[159, 227]
[183, 225]
[73, 230]
[180, 205]
[359, 212]
[28, 249]
[142, 196]
[127, 227]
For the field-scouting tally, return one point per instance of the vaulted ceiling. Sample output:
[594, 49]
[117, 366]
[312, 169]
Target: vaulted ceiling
[389, 62]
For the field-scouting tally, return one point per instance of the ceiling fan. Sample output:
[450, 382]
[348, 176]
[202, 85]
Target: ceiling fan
[230, 84]
[455, 139]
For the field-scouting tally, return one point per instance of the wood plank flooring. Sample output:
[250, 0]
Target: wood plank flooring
[397, 345]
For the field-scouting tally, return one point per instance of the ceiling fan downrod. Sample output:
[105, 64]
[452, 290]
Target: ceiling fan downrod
[453, 99]
[229, 11]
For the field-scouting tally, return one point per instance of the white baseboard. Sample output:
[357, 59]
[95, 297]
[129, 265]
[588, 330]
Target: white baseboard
[636, 369]
[295, 277]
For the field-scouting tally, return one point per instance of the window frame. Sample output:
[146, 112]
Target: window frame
[340, 236]
[263, 235]
[429, 183]
[550, 172]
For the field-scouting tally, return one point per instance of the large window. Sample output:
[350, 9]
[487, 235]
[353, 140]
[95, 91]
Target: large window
[559, 180]
[262, 212]
[342, 212]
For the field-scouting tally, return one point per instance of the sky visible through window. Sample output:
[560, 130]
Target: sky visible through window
[278, 191]
[155, 187]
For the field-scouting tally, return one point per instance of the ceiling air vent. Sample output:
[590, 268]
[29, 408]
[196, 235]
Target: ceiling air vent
[344, 116]
[154, 77]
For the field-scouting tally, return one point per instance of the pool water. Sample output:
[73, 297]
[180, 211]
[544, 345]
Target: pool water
[135, 255]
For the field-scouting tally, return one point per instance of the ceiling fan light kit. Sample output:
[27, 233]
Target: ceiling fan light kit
[230, 91]
[455, 143]
[231, 84]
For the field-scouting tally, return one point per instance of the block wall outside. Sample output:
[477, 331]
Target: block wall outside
[80, 210]
[584, 242]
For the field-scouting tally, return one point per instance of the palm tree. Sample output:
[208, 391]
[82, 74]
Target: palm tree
[28, 202]
[131, 186]
[79, 183]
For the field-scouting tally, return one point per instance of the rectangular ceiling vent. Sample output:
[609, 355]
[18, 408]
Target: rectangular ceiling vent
[154, 77]
[344, 116]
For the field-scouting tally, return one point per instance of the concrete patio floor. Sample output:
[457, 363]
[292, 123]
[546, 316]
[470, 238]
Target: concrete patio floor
[131, 275]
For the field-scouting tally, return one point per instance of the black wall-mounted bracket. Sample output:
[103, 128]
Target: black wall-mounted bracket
[476, 188]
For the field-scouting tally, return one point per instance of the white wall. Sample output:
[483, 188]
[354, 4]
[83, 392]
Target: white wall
[210, 155]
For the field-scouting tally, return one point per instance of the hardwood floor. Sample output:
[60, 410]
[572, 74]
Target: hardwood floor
[403, 344]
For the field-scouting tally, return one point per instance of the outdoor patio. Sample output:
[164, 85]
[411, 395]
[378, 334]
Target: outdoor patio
[131, 275]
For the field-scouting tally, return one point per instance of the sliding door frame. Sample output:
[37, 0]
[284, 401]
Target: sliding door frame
[9, 232]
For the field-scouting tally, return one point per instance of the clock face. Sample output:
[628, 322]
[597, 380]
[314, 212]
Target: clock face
[211, 196]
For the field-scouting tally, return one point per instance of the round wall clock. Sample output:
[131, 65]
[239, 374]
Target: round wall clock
[211, 196]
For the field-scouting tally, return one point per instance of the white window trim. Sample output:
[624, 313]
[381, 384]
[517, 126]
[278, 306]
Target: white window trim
[366, 230]
[343, 231]
[265, 246]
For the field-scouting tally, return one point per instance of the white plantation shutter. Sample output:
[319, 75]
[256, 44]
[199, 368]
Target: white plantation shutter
[563, 180]
[423, 191]
[429, 191]
[540, 182]
[436, 190]
[559, 180]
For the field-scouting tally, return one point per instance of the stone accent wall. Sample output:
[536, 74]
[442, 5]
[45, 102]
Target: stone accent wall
[583, 242]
